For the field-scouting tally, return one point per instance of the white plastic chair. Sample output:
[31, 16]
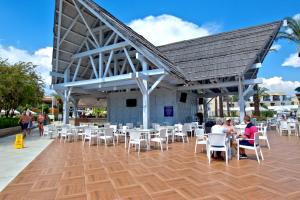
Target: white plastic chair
[292, 128]
[49, 130]
[63, 134]
[180, 131]
[135, 138]
[283, 128]
[264, 136]
[88, 136]
[160, 138]
[108, 134]
[200, 138]
[217, 142]
[80, 133]
[188, 128]
[255, 147]
[122, 133]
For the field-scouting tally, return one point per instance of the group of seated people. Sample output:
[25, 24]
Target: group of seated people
[228, 128]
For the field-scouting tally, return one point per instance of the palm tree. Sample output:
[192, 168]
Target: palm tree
[291, 32]
[297, 90]
[260, 92]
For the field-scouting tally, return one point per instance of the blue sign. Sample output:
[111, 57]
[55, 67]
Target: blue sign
[168, 111]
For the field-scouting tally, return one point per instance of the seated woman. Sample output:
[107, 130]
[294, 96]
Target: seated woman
[250, 131]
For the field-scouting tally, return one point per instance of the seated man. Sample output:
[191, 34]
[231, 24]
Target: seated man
[218, 128]
[250, 131]
[230, 132]
[229, 126]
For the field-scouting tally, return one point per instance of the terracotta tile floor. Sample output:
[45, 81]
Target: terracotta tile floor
[71, 171]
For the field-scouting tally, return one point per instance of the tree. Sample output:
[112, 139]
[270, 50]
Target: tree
[260, 92]
[297, 89]
[292, 32]
[20, 85]
[221, 106]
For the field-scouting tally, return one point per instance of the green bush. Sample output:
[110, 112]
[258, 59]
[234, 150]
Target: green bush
[267, 113]
[8, 122]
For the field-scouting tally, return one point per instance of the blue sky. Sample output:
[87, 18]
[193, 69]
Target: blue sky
[28, 25]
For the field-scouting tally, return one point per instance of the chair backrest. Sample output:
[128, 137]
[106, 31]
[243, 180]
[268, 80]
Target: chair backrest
[283, 124]
[64, 130]
[114, 127]
[187, 126]
[163, 133]
[124, 128]
[130, 125]
[264, 132]
[178, 127]
[217, 139]
[134, 135]
[109, 132]
[88, 131]
[199, 132]
[156, 127]
[195, 124]
[256, 138]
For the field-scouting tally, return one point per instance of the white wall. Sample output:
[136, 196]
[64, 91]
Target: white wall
[119, 113]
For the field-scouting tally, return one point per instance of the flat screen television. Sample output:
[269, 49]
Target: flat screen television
[130, 102]
[183, 96]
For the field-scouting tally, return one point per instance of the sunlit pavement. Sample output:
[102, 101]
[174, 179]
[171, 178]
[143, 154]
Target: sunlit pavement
[13, 161]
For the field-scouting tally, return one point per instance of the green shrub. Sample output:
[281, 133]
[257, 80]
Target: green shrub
[8, 122]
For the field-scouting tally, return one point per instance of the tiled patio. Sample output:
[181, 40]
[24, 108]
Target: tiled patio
[70, 171]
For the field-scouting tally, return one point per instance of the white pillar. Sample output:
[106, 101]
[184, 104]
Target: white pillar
[66, 108]
[146, 98]
[146, 110]
[241, 101]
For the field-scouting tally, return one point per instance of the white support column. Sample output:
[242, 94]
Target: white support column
[66, 108]
[146, 99]
[241, 101]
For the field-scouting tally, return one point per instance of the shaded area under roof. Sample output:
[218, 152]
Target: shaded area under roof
[222, 55]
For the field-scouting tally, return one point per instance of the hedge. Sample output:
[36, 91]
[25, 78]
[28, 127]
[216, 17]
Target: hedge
[8, 122]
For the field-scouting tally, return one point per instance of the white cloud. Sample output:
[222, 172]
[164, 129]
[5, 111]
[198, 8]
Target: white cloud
[277, 84]
[166, 29]
[293, 61]
[42, 58]
[276, 47]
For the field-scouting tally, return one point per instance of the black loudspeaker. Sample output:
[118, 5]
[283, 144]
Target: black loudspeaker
[200, 101]
[183, 97]
[131, 103]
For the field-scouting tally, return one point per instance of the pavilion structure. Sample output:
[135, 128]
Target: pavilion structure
[95, 54]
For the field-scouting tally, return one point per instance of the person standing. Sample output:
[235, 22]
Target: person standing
[30, 124]
[41, 120]
[24, 121]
